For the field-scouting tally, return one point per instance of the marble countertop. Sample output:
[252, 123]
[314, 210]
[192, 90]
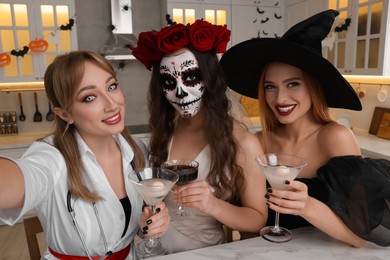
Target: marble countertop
[373, 146]
[308, 243]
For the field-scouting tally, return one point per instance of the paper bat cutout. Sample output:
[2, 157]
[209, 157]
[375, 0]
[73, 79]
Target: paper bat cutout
[259, 11]
[344, 26]
[68, 26]
[277, 17]
[264, 21]
[20, 52]
[169, 20]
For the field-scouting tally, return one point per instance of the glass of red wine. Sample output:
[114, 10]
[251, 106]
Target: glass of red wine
[188, 172]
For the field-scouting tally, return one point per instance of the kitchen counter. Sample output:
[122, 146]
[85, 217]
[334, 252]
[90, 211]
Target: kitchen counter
[373, 146]
[307, 243]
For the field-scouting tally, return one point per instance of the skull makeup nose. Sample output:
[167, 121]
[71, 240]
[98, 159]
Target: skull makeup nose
[180, 93]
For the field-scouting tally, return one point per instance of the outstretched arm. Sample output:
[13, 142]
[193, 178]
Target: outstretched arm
[11, 185]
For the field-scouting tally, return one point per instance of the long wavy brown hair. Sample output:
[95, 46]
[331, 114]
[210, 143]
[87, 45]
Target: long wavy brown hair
[319, 107]
[218, 125]
[62, 79]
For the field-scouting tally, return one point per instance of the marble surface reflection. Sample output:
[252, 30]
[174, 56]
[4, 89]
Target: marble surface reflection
[308, 243]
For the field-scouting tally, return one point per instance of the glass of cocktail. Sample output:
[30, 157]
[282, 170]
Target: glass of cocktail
[277, 169]
[187, 171]
[153, 184]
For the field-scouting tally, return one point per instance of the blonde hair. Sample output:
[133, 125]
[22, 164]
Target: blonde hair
[319, 107]
[62, 78]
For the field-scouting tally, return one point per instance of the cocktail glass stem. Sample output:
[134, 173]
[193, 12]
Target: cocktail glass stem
[151, 243]
[277, 221]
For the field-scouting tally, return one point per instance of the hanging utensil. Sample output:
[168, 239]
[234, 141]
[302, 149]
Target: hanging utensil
[37, 115]
[22, 116]
[50, 114]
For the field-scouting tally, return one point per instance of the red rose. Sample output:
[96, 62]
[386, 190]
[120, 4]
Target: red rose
[202, 35]
[172, 38]
[222, 39]
[146, 50]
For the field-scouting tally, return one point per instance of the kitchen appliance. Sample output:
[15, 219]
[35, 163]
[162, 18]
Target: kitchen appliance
[118, 45]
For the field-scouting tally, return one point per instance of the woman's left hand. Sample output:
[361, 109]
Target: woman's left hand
[154, 225]
[196, 194]
[292, 201]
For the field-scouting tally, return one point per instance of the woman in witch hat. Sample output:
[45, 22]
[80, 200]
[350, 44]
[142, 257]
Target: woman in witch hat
[339, 192]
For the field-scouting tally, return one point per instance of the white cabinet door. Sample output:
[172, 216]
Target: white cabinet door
[360, 49]
[34, 22]
[256, 19]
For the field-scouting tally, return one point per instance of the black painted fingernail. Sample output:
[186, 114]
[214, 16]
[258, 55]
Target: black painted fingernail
[286, 182]
[145, 232]
[267, 204]
[266, 196]
[145, 228]
[149, 221]
[158, 210]
[269, 190]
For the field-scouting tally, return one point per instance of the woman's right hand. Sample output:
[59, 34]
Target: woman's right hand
[293, 201]
[155, 225]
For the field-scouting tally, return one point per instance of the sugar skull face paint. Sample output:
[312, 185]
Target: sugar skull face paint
[181, 82]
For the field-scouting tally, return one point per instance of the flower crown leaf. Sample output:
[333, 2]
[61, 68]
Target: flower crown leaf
[201, 35]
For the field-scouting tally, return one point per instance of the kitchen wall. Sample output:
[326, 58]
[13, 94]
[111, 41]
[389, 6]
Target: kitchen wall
[93, 18]
[361, 120]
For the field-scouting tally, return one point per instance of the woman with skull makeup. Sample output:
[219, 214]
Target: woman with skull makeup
[189, 119]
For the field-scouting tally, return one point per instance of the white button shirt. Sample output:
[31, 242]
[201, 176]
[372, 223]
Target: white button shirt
[46, 188]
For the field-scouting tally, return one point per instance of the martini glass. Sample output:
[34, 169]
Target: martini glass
[153, 184]
[277, 169]
[187, 171]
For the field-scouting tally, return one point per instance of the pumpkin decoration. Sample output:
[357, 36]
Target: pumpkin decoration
[5, 59]
[38, 46]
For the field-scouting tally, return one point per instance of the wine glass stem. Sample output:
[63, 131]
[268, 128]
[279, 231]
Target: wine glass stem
[151, 243]
[277, 220]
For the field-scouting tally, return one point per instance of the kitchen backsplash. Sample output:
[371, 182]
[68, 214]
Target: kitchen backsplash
[361, 120]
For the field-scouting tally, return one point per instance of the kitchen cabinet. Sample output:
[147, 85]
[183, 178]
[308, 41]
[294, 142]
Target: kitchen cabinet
[256, 19]
[359, 48]
[23, 21]
[298, 10]
[187, 11]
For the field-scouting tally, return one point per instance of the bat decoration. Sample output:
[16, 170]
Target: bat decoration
[20, 52]
[264, 21]
[277, 17]
[112, 27]
[277, 3]
[68, 26]
[128, 46]
[259, 11]
[265, 33]
[276, 36]
[254, 21]
[169, 20]
[344, 26]
[121, 65]
[125, 8]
